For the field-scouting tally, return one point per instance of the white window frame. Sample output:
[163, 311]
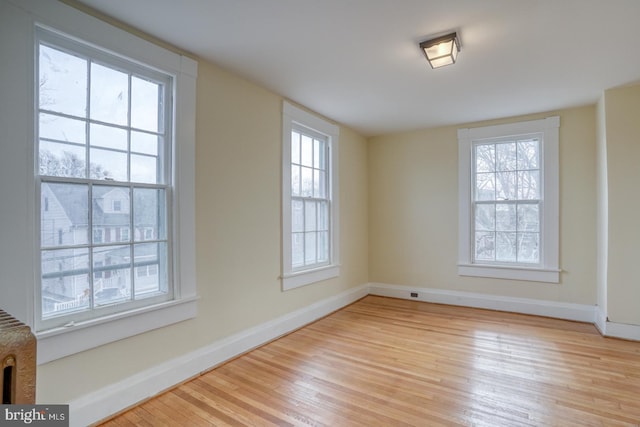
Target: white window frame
[23, 18]
[548, 269]
[294, 117]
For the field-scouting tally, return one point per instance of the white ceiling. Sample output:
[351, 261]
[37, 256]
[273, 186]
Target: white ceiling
[358, 61]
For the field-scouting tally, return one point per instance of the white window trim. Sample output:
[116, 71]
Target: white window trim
[64, 341]
[293, 279]
[549, 270]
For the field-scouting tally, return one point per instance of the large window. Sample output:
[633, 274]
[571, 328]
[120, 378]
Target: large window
[509, 201]
[310, 212]
[79, 215]
[103, 153]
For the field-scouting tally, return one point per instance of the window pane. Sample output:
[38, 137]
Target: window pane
[528, 185]
[310, 215]
[485, 158]
[145, 100]
[110, 213]
[528, 217]
[295, 180]
[150, 258]
[485, 186]
[295, 147]
[506, 247]
[144, 169]
[506, 185]
[485, 217]
[62, 82]
[310, 248]
[108, 137]
[61, 128]
[65, 281]
[107, 164]
[114, 262]
[505, 217]
[149, 219]
[59, 159]
[485, 246]
[307, 182]
[528, 157]
[306, 151]
[297, 250]
[297, 215]
[318, 154]
[528, 244]
[316, 183]
[145, 143]
[64, 214]
[320, 181]
[109, 95]
[323, 216]
[506, 157]
[323, 246]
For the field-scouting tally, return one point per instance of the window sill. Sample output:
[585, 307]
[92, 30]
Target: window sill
[509, 272]
[307, 277]
[61, 342]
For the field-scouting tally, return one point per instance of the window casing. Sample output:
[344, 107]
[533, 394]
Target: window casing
[508, 201]
[310, 208]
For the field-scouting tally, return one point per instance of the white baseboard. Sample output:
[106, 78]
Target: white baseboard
[567, 311]
[114, 398]
[618, 330]
[601, 320]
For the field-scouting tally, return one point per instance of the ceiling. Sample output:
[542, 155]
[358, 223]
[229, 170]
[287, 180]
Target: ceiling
[357, 61]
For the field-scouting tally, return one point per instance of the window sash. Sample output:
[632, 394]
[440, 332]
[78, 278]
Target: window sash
[491, 168]
[319, 233]
[312, 254]
[516, 231]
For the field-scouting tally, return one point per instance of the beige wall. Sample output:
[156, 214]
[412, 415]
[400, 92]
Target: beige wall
[621, 203]
[238, 212]
[413, 212]
[602, 212]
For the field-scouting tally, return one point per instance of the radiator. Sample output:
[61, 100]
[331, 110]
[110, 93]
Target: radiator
[18, 361]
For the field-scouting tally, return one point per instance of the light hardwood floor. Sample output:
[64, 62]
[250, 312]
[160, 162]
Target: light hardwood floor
[390, 362]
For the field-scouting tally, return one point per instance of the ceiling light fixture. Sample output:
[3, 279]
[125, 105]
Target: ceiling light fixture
[442, 50]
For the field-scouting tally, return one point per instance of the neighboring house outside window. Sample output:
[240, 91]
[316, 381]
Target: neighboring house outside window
[508, 188]
[310, 207]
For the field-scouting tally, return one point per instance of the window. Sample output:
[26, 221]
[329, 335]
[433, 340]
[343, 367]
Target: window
[310, 208]
[103, 149]
[53, 24]
[508, 219]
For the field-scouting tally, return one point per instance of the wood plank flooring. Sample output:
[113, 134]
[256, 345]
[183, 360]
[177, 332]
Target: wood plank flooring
[390, 362]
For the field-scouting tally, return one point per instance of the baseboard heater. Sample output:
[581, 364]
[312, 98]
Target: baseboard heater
[18, 361]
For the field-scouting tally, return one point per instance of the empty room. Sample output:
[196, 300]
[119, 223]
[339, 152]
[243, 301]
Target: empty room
[320, 212]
